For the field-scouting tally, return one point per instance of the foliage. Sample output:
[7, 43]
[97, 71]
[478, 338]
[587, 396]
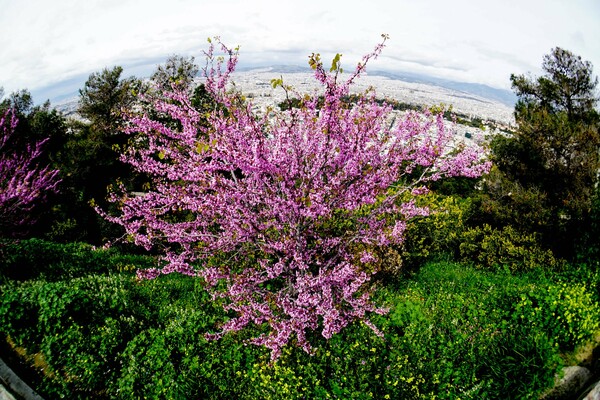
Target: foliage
[70, 312]
[452, 331]
[104, 97]
[588, 247]
[88, 159]
[59, 217]
[552, 157]
[285, 198]
[85, 153]
[490, 248]
[566, 312]
[112, 336]
[23, 183]
[88, 164]
[567, 85]
[584, 273]
[177, 71]
[474, 323]
[520, 364]
[39, 259]
[505, 202]
[20, 101]
[437, 234]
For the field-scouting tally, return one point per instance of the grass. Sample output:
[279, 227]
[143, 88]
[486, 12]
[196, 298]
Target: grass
[453, 331]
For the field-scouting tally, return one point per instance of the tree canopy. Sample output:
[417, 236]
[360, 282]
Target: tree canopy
[568, 85]
[105, 96]
[552, 159]
[177, 70]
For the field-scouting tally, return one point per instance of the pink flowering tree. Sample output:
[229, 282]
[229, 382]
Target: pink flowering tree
[281, 213]
[23, 184]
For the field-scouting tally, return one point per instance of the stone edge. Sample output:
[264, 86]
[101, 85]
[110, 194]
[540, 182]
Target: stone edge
[15, 385]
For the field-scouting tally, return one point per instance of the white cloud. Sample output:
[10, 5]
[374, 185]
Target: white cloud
[43, 42]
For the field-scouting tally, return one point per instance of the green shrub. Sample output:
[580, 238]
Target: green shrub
[111, 336]
[79, 327]
[437, 234]
[35, 258]
[446, 326]
[566, 312]
[148, 368]
[495, 249]
[171, 358]
[503, 202]
[452, 332]
[588, 245]
[521, 365]
[583, 273]
[354, 364]
[456, 326]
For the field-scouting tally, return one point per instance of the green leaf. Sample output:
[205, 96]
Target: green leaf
[276, 82]
[201, 147]
[335, 63]
[314, 60]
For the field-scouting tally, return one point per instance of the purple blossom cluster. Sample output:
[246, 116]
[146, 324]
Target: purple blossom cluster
[23, 183]
[281, 213]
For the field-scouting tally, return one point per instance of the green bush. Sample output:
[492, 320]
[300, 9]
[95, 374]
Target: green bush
[40, 259]
[355, 364]
[452, 332]
[583, 273]
[588, 246]
[503, 202]
[79, 326]
[520, 365]
[111, 336]
[437, 234]
[459, 330]
[567, 313]
[171, 358]
[496, 249]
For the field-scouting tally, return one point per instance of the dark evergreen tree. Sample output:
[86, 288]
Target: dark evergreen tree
[548, 167]
[89, 158]
[177, 71]
[104, 98]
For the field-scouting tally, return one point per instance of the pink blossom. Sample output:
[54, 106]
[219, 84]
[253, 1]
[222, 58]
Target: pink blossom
[282, 201]
[23, 184]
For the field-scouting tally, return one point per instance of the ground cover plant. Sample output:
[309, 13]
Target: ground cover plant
[452, 331]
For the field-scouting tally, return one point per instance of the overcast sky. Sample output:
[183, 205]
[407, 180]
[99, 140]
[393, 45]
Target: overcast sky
[45, 46]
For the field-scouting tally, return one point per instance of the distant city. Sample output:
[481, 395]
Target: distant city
[493, 107]
[257, 84]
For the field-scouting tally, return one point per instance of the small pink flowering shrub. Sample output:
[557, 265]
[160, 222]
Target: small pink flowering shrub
[283, 198]
[23, 183]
